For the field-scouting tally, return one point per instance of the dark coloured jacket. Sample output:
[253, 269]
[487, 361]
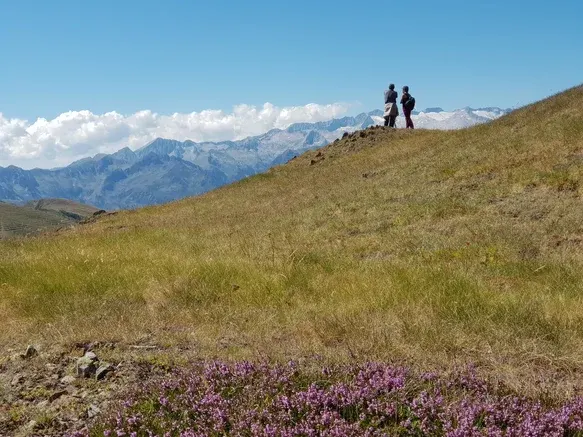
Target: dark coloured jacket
[404, 98]
[390, 96]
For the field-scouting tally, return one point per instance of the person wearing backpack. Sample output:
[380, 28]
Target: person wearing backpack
[391, 109]
[408, 102]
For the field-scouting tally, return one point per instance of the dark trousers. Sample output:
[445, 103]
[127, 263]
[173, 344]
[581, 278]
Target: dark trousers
[390, 120]
[407, 113]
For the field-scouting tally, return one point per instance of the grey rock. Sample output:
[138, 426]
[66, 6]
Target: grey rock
[91, 356]
[93, 411]
[103, 370]
[87, 365]
[86, 370]
[30, 352]
[67, 380]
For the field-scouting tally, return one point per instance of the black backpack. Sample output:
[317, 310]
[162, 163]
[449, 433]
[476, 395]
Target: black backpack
[410, 103]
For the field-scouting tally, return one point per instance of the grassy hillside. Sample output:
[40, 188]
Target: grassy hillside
[18, 220]
[66, 207]
[40, 216]
[433, 248]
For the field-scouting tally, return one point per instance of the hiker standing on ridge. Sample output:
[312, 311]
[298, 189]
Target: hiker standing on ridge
[408, 103]
[391, 109]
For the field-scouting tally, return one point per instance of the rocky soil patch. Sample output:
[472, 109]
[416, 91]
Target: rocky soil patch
[57, 391]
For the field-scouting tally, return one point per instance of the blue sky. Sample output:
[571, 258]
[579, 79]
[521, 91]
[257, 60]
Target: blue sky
[180, 56]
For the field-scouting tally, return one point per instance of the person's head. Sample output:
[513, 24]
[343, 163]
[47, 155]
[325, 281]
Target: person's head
[392, 86]
[405, 89]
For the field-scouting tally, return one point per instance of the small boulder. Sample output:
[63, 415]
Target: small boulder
[85, 369]
[87, 365]
[30, 352]
[69, 379]
[103, 371]
[93, 411]
[91, 355]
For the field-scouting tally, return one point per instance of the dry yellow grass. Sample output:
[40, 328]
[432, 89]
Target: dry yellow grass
[432, 247]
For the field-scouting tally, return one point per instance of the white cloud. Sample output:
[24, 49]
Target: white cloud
[77, 134]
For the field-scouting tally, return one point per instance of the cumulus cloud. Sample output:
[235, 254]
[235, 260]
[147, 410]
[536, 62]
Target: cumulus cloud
[77, 134]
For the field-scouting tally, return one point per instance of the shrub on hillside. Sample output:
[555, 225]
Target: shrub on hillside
[245, 399]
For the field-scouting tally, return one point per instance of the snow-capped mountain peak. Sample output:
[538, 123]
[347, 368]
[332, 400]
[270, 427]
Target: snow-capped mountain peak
[167, 169]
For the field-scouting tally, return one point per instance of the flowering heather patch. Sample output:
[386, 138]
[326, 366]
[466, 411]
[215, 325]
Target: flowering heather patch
[245, 399]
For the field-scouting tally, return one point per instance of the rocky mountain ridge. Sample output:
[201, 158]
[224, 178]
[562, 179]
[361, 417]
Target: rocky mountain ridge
[166, 169]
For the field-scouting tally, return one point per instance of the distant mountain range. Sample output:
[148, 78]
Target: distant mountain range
[437, 118]
[166, 170]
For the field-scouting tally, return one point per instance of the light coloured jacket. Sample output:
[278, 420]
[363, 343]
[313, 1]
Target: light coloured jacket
[391, 110]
